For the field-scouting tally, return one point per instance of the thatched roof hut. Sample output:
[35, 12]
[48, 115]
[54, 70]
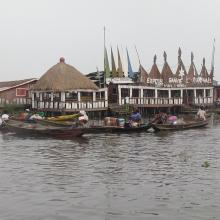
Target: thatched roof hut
[64, 77]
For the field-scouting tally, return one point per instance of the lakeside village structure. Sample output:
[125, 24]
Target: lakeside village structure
[64, 89]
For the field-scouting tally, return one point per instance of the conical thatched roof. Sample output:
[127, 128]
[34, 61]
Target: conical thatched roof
[63, 77]
[181, 67]
[166, 72]
[204, 73]
[154, 72]
[142, 74]
[192, 70]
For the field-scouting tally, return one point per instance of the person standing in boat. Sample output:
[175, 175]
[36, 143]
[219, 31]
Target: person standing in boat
[201, 113]
[135, 118]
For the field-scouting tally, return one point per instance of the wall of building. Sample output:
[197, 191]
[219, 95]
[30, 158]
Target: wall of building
[16, 95]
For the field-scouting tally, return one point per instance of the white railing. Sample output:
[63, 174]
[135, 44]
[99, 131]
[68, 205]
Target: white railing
[70, 105]
[164, 101]
[203, 100]
[152, 101]
[16, 101]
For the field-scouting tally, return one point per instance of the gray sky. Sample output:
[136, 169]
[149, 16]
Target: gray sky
[36, 33]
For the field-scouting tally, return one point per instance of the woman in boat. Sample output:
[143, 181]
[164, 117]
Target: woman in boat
[201, 113]
[83, 119]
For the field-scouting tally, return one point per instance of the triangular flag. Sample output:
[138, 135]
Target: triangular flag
[114, 71]
[106, 65]
[120, 69]
[130, 71]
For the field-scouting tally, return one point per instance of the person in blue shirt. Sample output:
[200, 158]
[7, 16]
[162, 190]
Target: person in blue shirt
[135, 116]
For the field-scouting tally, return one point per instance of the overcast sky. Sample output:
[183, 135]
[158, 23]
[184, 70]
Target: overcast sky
[36, 33]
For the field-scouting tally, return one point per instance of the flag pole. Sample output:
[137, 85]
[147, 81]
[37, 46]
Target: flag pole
[139, 63]
[137, 55]
[104, 29]
[213, 55]
[98, 76]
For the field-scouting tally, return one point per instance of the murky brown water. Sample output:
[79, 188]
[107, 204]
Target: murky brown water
[136, 176]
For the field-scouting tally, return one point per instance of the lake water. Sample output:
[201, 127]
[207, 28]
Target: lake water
[110, 176]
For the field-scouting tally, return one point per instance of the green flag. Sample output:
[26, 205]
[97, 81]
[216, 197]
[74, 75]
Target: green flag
[106, 65]
[120, 69]
[114, 71]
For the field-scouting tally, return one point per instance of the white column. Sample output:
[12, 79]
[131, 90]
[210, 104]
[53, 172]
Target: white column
[181, 96]
[106, 98]
[79, 96]
[169, 93]
[156, 93]
[41, 96]
[131, 92]
[63, 98]
[211, 92]
[141, 96]
[32, 100]
[194, 93]
[142, 93]
[211, 95]
[204, 91]
[94, 96]
[181, 93]
[41, 100]
[119, 95]
[51, 97]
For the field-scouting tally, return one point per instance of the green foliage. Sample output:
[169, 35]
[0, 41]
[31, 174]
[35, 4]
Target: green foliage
[13, 108]
[205, 164]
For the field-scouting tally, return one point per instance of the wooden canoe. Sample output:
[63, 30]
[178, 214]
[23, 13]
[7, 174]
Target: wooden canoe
[55, 123]
[116, 129]
[35, 129]
[174, 127]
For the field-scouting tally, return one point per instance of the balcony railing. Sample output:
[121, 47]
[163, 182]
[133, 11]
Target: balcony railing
[69, 105]
[164, 101]
[203, 100]
[152, 101]
[15, 101]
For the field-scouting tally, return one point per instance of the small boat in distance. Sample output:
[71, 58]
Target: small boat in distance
[182, 126]
[39, 130]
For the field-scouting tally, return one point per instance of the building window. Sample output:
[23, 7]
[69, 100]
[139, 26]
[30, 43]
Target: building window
[149, 93]
[86, 96]
[21, 92]
[207, 93]
[175, 93]
[125, 92]
[71, 96]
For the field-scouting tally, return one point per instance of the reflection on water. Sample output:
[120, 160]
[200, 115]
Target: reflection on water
[111, 176]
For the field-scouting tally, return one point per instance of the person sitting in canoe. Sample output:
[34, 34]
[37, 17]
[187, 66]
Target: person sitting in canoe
[160, 118]
[135, 118]
[83, 119]
[201, 113]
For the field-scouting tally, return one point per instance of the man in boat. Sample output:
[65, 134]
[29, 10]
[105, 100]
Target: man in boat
[201, 113]
[135, 118]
